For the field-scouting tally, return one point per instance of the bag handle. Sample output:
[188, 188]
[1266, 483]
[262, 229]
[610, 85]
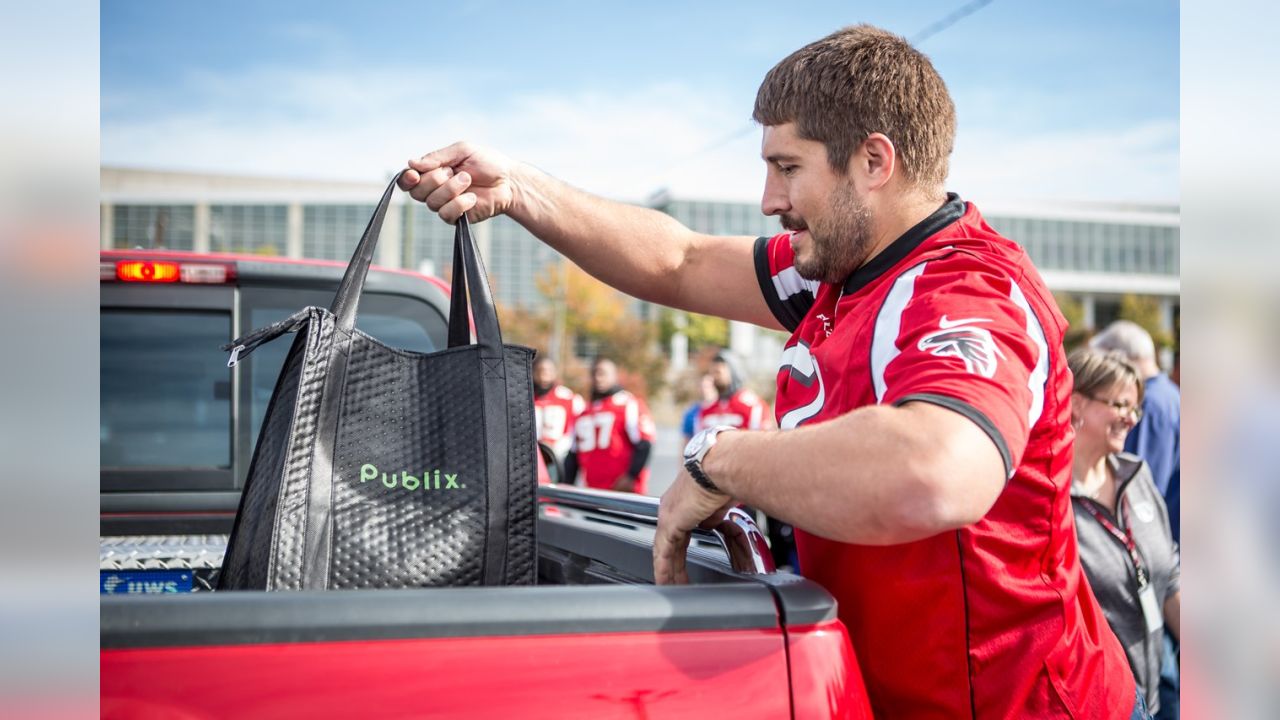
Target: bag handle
[468, 275]
[472, 282]
[459, 319]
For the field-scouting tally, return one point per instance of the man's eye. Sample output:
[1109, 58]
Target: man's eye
[787, 170]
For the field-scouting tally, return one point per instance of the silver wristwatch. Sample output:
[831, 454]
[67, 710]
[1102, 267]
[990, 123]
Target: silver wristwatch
[696, 450]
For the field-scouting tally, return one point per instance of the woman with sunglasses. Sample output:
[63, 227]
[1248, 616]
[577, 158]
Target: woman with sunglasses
[1126, 545]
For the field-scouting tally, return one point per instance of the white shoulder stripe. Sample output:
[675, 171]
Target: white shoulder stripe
[632, 420]
[788, 282]
[797, 356]
[1040, 374]
[884, 344]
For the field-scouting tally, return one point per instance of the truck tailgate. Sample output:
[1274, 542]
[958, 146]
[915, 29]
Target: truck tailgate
[597, 651]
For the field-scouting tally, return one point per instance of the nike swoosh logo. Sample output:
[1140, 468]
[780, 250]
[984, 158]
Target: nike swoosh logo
[946, 324]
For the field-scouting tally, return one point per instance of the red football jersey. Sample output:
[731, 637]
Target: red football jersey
[994, 620]
[743, 409]
[555, 413]
[607, 434]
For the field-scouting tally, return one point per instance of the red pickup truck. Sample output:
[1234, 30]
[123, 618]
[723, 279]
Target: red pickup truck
[595, 638]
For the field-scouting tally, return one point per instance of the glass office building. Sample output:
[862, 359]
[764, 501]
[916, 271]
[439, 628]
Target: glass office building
[514, 258]
[151, 226]
[1094, 252]
[331, 232]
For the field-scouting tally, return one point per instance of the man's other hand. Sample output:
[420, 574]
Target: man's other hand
[684, 506]
[625, 483]
[461, 179]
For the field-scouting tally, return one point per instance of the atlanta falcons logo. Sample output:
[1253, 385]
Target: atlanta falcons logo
[962, 339]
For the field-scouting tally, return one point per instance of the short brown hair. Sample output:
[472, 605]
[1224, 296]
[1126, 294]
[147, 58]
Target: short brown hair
[1095, 371]
[858, 81]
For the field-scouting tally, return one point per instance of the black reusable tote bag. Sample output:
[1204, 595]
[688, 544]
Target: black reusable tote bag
[382, 468]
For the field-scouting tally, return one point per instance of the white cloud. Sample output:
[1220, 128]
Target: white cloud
[1138, 163]
[360, 126]
[627, 142]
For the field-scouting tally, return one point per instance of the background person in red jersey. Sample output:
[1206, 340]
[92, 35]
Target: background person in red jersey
[734, 405]
[707, 395]
[613, 436]
[556, 407]
[924, 444]
[737, 407]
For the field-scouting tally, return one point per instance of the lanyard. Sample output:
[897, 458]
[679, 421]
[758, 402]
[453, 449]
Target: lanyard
[1124, 536]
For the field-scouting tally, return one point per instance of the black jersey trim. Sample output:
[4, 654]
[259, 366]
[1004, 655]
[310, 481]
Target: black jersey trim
[968, 642]
[951, 211]
[973, 414]
[787, 312]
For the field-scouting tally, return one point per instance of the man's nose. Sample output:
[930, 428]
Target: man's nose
[774, 201]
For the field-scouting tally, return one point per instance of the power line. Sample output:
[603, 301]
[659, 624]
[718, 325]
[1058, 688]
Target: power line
[929, 31]
[946, 22]
[727, 138]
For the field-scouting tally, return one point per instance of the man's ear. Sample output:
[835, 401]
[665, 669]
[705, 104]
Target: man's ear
[875, 161]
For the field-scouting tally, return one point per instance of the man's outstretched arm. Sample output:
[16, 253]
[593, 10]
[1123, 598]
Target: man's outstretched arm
[879, 475]
[640, 251]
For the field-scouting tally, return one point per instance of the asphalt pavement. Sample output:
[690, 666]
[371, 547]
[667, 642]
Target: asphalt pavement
[664, 461]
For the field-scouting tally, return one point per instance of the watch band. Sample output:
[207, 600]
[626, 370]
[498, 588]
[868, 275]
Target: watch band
[695, 471]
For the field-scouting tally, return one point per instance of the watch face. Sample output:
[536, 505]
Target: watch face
[695, 444]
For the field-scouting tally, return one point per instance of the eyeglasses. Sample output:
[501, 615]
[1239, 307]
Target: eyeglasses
[1123, 408]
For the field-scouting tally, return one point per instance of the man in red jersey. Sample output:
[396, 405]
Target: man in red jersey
[735, 405]
[924, 442]
[613, 436]
[556, 407]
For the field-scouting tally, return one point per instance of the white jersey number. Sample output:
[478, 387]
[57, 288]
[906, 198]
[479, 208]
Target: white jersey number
[550, 419]
[595, 431]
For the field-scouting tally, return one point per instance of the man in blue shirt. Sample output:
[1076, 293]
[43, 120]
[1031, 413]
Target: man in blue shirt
[706, 395]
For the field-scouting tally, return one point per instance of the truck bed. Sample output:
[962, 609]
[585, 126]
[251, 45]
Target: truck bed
[595, 638]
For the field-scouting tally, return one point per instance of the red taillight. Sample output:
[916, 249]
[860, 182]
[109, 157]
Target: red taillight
[141, 271]
[151, 271]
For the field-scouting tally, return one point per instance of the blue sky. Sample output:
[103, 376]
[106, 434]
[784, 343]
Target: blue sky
[1072, 100]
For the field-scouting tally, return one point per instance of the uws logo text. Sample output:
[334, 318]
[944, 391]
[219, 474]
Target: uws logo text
[405, 481]
[118, 585]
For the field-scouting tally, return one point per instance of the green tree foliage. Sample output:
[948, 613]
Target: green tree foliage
[593, 312]
[521, 326]
[1073, 311]
[593, 309]
[702, 330]
[1145, 311]
[633, 345]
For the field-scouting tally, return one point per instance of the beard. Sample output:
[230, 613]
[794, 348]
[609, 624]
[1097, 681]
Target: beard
[839, 241]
